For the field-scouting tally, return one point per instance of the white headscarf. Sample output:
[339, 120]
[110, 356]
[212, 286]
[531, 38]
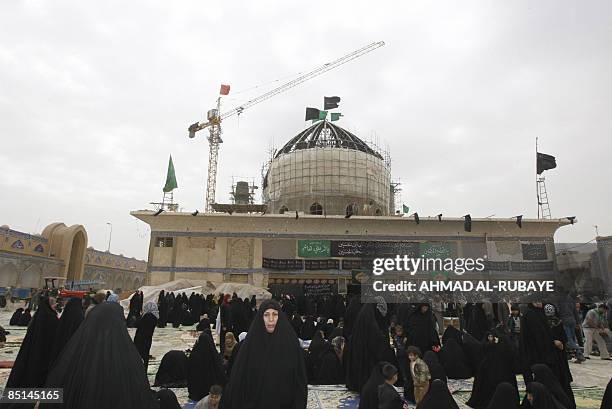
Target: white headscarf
[151, 306]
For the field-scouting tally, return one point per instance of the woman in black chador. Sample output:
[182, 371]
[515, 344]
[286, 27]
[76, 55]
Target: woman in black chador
[543, 374]
[454, 360]
[504, 397]
[100, 367]
[72, 317]
[436, 370]
[15, 317]
[33, 359]
[368, 398]
[145, 327]
[539, 397]
[172, 372]
[438, 397]
[269, 371]
[204, 367]
[369, 344]
[497, 366]
[538, 345]
[421, 329]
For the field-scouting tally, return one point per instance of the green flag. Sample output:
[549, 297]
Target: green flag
[405, 208]
[170, 178]
[335, 116]
[322, 116]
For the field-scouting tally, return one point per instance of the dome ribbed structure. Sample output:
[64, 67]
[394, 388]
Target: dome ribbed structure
[324, 134]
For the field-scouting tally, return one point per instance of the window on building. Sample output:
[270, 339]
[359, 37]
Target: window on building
[378, 212]
[351, 209]
[283, 209]
[316, 208]
[164, 242]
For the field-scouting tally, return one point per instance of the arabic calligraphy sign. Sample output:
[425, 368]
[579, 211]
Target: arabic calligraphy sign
[374, 248]
[313, 248]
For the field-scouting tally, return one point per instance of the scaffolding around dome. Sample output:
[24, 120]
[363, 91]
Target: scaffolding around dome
[327, 170]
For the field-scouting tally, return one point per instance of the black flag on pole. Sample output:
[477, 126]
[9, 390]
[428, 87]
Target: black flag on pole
[330, 102]
[545, 162]
[312, 113]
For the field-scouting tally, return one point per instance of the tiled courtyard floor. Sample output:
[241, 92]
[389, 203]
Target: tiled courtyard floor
[590, 379]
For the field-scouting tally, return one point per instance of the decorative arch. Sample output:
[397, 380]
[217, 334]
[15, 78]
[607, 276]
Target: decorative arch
[119, 283]
[68, 244]
[351, 209]
[77, 255]
[316, 209]
[17, 245]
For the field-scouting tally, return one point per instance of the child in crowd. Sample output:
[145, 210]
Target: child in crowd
[420, 373]
[388, 397]
[399, 343]
[514, 324]
[211, 401]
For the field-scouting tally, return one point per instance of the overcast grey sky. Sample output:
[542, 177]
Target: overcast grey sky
[94, 96]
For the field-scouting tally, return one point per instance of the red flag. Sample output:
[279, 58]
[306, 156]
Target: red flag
[224, 89]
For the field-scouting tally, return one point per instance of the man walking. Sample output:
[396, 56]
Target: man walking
[570, 320]
[593, 329]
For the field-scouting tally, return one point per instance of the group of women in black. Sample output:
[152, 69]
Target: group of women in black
[270, 368]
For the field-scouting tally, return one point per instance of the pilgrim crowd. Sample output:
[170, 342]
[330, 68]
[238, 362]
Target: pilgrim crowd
[270, 351]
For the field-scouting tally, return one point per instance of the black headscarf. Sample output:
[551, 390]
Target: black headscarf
[454, 360]
[32, 363]
[542, 398]
[496, 367]
[100, 368]
[368, 398]
[15, 317]
[204, 367]
[70, 321]
[167, 399]
[369, 344]
[543, 374]
[269, 371]
[438, 397]
[504, 397]
[172, 372]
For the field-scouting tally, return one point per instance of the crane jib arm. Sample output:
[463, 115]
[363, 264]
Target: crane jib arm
[303, 78]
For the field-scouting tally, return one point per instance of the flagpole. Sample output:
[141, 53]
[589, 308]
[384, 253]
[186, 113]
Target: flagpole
[536, 176]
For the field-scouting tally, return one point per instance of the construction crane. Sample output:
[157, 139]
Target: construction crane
[214, 117]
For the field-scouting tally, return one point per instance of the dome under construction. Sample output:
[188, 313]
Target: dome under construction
[327, 170]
